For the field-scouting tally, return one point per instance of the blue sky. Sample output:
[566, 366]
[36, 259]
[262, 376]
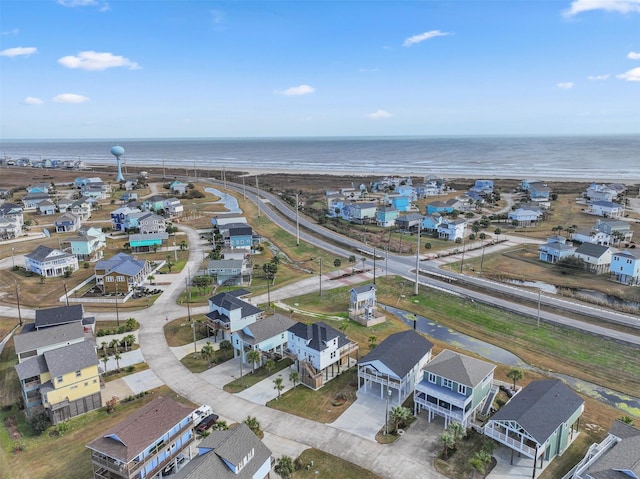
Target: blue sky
[149, 69]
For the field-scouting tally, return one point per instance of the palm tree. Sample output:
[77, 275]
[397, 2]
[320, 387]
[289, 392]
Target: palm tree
[456, 430]
[278, 385]
[284, 467]
[253, 357]
[269, 364]
[373, 341]
[515, 375]
[128, 341]
[117, 357]
[114, 344]
[294, 377]
[104, 347]
[207, 352]
[400, 415]
[344, 325]
[220, 426]
[253, 424]
[447, 442]
[105, 360]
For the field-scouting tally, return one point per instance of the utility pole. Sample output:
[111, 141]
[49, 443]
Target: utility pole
[258, 196]
[297, 223]
[462, 257]
[539, 298]
[244, 190]
[320, 276]
[66, 293]
[374, 265]
[117, 311]
[415, 289]
[18, 301]
[482, 259]
[193, 325]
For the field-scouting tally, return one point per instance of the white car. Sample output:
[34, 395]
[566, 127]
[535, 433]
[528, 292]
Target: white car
[199, 414]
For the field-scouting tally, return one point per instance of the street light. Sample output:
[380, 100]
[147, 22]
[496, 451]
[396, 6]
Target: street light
[13, 261]
[386, 413]
[415, 289]
[320, 276]
[539, 298]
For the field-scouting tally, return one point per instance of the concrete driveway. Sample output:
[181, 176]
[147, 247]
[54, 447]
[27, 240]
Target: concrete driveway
[365, 417]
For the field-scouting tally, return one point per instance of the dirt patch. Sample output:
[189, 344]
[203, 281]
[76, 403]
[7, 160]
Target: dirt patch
[12, 426]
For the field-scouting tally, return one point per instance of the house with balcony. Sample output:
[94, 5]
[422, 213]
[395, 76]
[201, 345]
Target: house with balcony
[46, 207]
[525, 217]
[63, 381]
[230, 272]
[236, 453]
[31, 200]
[386, 216]
[399, 201]
[596, 257]
[144, 443]
[89, 244]
[363, 307]
[452, 230]
[409, 223]
[150, 223]
[393, 366]
[172, 208]
[228, 313]
[320, 352]
[606, 209]
[442, 207]
[11, 220]
[617, 456]
[600, 192]
[538, 191]
[81, 208]
[430, 223]
[268, 335]
[32, 342]
[453, 386]
[483, 187]
[618, 230]
[362, 212]
[120, 217]
[140, 242]
[625, 267]
[238, 236]
[555, 249]
[49, 262]
[154, 203]
[63, 205]
[49, 317]
[97, 190]
[66, 223]
[121, 273]
[539, 422]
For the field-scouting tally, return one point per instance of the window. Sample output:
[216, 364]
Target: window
[120, 279]
[109, 279]
[462, 389]
[447, 383]
[432, 378]
[59, 379]
[78, 373]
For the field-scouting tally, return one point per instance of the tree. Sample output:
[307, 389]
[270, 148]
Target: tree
[278, 385]
[270, 270]
[117, 357]
[114, 344]
[269, 364]
[253, 424]
[284, 467]
[202, 282]
[352, 260]
[515, 375]
[225, 344]
[131, 324]
[456, 430]
[447, 443]
[294, 377]
[344, 325]
[626, 420]
[220, 426]
[337, 262]
[480, 461]
[497, 232]
[373, 341]
[183, 245]
[128, 341]
[253, 357]
[68, 271]
[104, 345]
[207, 352]
[400, 415]
[105, 360]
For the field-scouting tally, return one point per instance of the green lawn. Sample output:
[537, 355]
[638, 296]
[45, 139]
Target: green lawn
[328, 466]
[198, 364]
[250, 378]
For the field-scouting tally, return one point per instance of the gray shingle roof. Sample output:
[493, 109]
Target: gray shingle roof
[59, 315]
[141, 429]
[541, 407]
[47, 337]
[363, 289]
[41, 253]
[318, 334]
[71, 358]
[266, 328]
[33, 366]
[232, 446]
[400, 352]
[591, 249]
[459, 368]
[229, 301]
[624, 455]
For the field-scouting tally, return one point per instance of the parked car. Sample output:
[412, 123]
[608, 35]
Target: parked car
[171, 467]
[199, 414]
[207, 423]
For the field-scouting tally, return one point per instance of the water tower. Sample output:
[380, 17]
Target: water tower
[118, 151]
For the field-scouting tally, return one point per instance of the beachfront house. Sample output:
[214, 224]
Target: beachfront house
[453, 386]
[50, 262]
[235, 453]
[144, 443]
[451, 230]
[597, 258]
[483, 187]
[625, 266]
[524, 217]
[617, 456]
[386, 216]
[390, 370]
[89, 244]
[600, 192]
[66, 223]
[268, 336]
[228, 313]
[178, 187]
[121, 273]
[62, 381]
[320, 352]
[363, 307]
[606, 209]
[539, 422]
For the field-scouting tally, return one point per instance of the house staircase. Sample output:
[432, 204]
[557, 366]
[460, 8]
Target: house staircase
[486, 407]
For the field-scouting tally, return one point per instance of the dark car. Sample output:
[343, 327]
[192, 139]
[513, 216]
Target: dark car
[207, 422]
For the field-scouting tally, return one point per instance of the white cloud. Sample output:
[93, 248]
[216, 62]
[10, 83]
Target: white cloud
[69, 98]
[31, 100]
[633, 56]
[77, 3]
[96, 61]
[599, 77]
[565, 85]
[378, 115]
[15, 31]
[621, 6]
[631, 75]
[424, 36]
[297, 90]
[18, 51]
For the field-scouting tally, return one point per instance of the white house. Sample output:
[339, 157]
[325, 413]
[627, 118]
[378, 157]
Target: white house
[268, 335]
[363, 307]
[597, 258]
[49, 262]
[607, 209]
[228, 313]
[451, 230]
[525, 217]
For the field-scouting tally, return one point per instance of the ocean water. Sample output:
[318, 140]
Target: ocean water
[589, 158]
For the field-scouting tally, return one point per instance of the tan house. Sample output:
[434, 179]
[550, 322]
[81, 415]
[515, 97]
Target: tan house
[121, 273]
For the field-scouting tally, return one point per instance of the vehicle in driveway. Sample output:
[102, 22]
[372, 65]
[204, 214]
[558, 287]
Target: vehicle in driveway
[207, 423]
[199, 414]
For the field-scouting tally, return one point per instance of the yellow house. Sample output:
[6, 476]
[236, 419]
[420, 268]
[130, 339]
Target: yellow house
[64, 381]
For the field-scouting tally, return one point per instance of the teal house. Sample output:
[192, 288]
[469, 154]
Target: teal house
[539, 422]
[453, 386]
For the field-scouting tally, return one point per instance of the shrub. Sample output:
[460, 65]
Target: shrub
[39, 422]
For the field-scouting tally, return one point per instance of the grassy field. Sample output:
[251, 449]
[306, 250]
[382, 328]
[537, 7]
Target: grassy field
[251, 378]
[55, 457]
[328, 466]
[178, 332]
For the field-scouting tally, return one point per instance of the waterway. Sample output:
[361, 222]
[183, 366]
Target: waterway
[627, 404]
[229, 202]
